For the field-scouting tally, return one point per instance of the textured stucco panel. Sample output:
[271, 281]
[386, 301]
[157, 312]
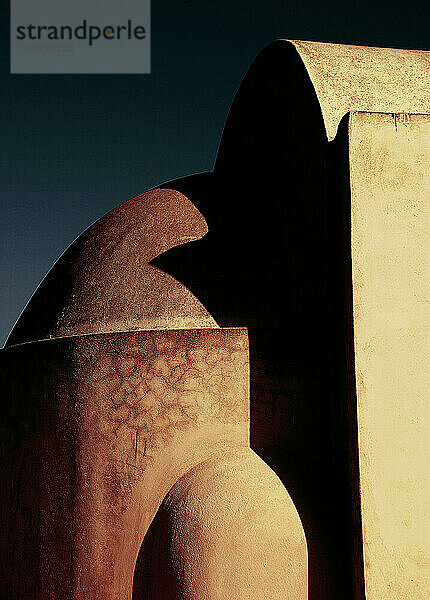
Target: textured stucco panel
[390, 181]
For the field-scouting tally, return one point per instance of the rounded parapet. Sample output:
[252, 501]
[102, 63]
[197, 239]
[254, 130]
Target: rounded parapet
[365, 79]
[104, 282]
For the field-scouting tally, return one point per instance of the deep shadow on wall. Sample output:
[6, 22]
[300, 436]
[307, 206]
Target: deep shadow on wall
[277, 260]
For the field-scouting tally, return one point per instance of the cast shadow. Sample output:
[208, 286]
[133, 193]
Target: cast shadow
[277, 261]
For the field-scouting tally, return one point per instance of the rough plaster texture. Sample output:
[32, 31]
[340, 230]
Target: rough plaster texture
[98, 429]
[390, 180]
[361, 78]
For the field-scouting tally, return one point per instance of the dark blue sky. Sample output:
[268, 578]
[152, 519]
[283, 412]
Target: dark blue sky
[73, 147]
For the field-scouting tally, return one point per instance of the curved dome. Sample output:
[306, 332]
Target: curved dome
[104, 282]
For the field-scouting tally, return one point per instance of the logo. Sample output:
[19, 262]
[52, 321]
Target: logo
[86, 36]
[91, 33]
